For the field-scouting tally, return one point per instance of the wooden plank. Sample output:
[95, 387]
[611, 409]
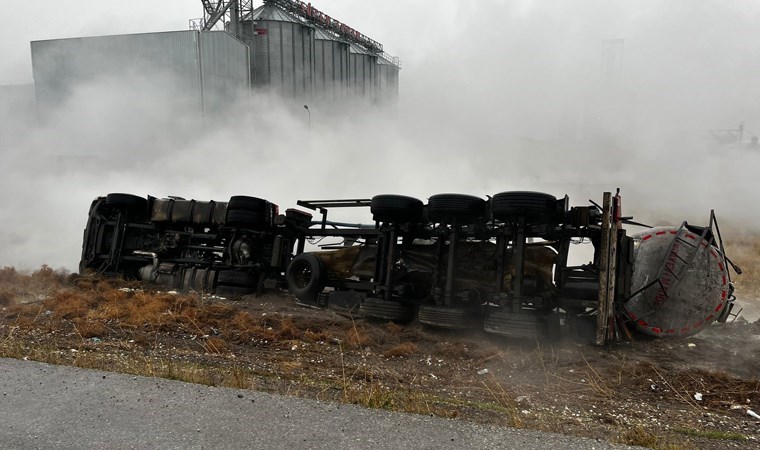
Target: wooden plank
[611, 278]
[602, 318]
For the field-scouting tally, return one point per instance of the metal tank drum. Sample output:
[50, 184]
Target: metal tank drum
[387, 79]
[680, 282]
[331, 64]
[282, 52]
[363, 73]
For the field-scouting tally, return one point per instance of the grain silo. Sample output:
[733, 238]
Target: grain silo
[331, 57]
[387, 78]
[300, 52]
[363, 73]
[282, 52]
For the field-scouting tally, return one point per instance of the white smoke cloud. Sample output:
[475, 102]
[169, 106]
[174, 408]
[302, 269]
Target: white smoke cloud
[495, 96]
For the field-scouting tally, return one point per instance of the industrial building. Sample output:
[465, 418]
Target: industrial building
[285, 47]
[203, 70]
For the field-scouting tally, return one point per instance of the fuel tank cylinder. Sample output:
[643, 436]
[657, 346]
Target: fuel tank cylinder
[680, 282]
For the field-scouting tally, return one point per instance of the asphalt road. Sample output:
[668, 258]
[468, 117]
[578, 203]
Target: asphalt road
[44, 406]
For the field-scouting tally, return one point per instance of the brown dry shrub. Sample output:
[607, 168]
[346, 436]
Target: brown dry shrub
[90, 328]
[288, 329]
[23, 313]
[316, 336]
[70, 304]
[452, 350]
[216, 313]
[7, 297]
[215, 345]
[45, 276]
[359, 337]
[394, 328]
[153, 309]
[8, 274]
[401, 350]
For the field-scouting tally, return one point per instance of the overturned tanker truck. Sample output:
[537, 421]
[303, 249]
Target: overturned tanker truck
[457, 261]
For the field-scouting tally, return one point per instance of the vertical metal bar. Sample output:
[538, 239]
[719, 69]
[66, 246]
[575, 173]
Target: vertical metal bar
[518, 262]
[391, 250]
[448, 294]
[501, 241]
[604, 255]
[201, 79]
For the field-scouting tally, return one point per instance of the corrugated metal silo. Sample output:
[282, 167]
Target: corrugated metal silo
[387, 80]
[193, 69]
[282, 52]
[363, 73]
[331, 58]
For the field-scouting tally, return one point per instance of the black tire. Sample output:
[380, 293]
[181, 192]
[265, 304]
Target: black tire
[235, 278]
[245, 203]
[245, 218]
[443, 317]
[306, 277]
[387, 310]
[396, 208]
[535, 207]
[137, 206]
[233, 291]
[455, 207]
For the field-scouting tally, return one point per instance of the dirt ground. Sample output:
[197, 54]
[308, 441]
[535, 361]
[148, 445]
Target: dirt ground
[691, 393]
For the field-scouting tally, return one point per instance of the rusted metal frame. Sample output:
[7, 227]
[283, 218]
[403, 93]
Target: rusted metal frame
[726, 261]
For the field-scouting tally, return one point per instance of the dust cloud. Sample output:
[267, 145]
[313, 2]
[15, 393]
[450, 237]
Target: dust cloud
[563, 97]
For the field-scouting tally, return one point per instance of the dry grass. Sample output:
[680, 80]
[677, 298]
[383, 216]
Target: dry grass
[644, 438]
[401, 350]
[744, 250]
[216, 334]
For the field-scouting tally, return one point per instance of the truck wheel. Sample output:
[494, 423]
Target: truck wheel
[245, 203]
[306, 277]
[138, 206]
[441, 317]
[535, 207]
[460, 207]
[396, 208]
[396, 311]
[244, 218]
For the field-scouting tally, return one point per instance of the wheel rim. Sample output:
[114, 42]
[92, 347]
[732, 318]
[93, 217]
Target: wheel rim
[302, 274]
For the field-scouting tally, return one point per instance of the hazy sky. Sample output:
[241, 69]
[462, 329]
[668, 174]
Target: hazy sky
[495, 95]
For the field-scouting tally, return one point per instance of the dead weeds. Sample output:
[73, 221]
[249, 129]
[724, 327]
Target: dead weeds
[272, 345]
